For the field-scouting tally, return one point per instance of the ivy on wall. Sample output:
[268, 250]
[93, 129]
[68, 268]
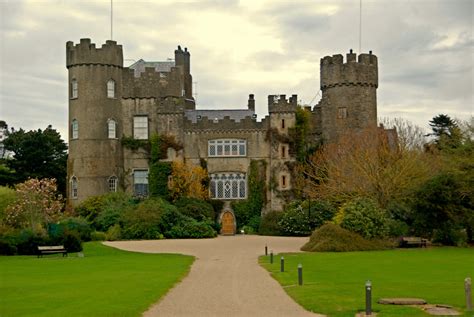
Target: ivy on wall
[248, 212]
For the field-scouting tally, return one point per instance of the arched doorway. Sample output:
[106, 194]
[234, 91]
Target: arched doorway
[227, 223]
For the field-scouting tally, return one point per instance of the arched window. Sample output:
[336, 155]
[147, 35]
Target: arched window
[113, 181]
[73, 89]
[111, 89]
[112, 129]
[75, 129]
[74, 187]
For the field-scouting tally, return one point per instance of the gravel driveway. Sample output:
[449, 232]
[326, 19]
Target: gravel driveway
[226, 279]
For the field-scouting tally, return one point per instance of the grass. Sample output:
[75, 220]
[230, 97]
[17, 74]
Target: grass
[105, 282]
[333, 283]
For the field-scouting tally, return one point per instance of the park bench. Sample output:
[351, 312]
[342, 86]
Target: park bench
[51, 250]
[407, 242]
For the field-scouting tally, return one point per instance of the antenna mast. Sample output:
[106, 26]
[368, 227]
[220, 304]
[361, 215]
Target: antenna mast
[111, 19]
[360, 26]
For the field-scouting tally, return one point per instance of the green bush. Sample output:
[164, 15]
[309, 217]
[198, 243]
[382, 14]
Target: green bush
[149, 220]
[98, 236]
[295, 221]
[269, 225]
[450, 234]
[319, 212]
[72, 241]
[114, 233]
[8, 240]
[363, 217]
[332, 238]
[7, 197]
[79, 225]
[195, 208]
[192, 229]
[114, 205]
[91, 208]
[27, 241]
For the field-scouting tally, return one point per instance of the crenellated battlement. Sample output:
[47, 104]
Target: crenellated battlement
[85, 53]
[279, 103]
[226, 124]
[361, 71]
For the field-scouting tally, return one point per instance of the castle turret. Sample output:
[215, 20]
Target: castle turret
[349, 95]
[183, 59]
[95, 163]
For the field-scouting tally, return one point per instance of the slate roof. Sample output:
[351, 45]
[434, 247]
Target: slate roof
[139, 66]
[235, 114]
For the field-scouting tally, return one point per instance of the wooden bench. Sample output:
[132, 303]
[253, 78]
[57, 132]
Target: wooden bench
[51, 250]
[408, 242]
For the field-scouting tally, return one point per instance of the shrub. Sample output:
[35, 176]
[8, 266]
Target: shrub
[7, 197]
[113, 206]
[363, 217]
[8, 240]
[27, 241]
[450, 234]
[319, 212]
[192, 229]
[72, 241]
[91, 208]
[143, 222]
[269, 225]
[195, 208]
[98, 236]
[295, 221]
[79, 225]
[114, 233]
[332, 238]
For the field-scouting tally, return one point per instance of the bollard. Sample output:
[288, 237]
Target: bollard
[368, 298]
[467, 289]
[271, 257]
[300, 274]
[266, 250]
[282, 264]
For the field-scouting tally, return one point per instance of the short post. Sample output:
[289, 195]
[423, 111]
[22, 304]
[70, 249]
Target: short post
[300, 274]
[266, 250]
[467, 289]
[368, 298]
[271, 257]
[282, 264]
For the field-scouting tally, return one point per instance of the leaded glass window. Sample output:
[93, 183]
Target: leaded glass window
[227, 147]
[228, 185]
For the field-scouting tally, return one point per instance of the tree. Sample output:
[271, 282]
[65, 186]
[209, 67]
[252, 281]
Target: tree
[36, 205]
[367, 164]
[446, 132]
[188, 181]
[38, 154]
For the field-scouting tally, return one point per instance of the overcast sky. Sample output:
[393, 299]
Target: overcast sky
[424, 48]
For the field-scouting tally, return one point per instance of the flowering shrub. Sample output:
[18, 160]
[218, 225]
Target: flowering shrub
[295, 221]
[36, 205]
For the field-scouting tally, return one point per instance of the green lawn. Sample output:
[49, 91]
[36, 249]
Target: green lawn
[334, 282]
[105, 282]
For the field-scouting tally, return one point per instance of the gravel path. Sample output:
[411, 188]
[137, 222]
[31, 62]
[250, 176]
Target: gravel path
[226, 279]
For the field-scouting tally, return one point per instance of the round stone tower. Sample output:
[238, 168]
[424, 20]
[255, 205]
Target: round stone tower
[95, 163]
[349, 95]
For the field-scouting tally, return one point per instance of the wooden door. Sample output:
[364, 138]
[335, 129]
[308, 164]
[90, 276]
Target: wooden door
[228, 223]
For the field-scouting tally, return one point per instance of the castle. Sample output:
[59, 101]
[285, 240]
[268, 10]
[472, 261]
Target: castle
[108, 102]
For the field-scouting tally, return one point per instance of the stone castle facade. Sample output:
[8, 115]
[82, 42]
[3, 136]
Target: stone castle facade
[108, 101]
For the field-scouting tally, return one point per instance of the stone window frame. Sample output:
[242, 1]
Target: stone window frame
[74, 89]
[283, 152]
[228, 186]
[141, 191]
[283, 123]
[342, 112]
[74, 129]
[111, 89]
[112, 183]
[74, 187]
[227, 148]
[283, 181]
[140, 132]
[112, 129]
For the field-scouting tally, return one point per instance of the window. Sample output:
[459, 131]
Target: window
[74, 89]
[283, 151]
[140, 182]
[282, 123]
[75, 129]
[113, 180]
[228, 186]
[140, 127]
[227, 147]
[112, 129]
[111, 89]
[283, 181]
[74, 187]
[342, 113]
